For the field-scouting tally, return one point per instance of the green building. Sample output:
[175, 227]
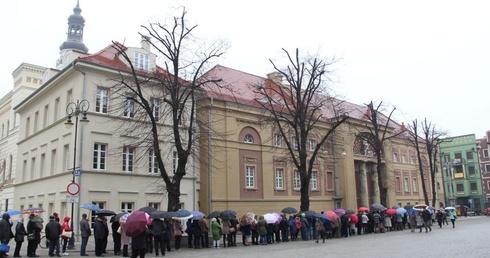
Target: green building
[461, 172]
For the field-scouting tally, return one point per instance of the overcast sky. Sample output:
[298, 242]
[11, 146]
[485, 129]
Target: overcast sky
[429, 59]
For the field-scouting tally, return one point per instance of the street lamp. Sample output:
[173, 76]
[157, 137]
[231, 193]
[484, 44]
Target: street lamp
[74, 109]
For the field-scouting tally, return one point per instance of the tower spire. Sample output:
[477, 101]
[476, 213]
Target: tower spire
[74, 40]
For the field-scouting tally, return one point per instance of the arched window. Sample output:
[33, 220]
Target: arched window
[248, 138]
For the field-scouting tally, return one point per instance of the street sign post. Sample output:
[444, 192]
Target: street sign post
[73, 188]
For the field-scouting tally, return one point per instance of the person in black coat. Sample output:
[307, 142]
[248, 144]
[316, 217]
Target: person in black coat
[116, 237]
[197, 233]
[5, 231]
[20, 232]
[167, 236]
[158, 229]
[138, 244]
[100, 234]
[53, 232]
[34, 227]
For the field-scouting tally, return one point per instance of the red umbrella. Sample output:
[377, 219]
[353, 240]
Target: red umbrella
[331, 215]
[363, 209]
[136, 223]
[353, 218]
[391, 211]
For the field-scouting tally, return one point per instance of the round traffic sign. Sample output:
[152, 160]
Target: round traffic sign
[73, 188]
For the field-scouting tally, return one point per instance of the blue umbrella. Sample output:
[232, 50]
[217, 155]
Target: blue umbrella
[12, 212]
[90, 206]
[183, 213]
[414, 211]
[197, 215]
[321, 216]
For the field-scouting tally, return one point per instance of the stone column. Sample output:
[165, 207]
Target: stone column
[363, 185]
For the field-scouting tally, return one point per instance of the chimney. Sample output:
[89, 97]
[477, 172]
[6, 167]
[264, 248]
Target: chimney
[275, 77]
[145, 43]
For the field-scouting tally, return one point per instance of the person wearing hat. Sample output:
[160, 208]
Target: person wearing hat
[20, 232]
[100, 234]
[53, 232]
[34, 227]
[5, 231]
[304, 227]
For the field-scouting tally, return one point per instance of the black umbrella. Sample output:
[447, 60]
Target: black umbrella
[350, 211]
[289, 210]
[309, 214]
[227, 215]
[377, 207]
[162, 214]
[148, 209]
[214, 214]
[105, 213]
[117, 217]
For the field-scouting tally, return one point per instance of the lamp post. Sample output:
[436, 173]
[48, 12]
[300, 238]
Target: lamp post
[74, 109]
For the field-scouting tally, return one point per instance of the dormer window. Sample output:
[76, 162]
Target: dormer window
[141, 61]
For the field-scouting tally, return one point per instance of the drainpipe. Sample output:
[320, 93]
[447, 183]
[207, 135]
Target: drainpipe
[209, 158]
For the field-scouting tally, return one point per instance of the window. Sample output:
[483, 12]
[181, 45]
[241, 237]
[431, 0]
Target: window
[487, 168]
[485, 153]
[54, 160]
[56, 109]
[414, 184]
[250, 177]
[460, 187]
[457, 156]
[42, 165]
[330, 181]
[129, 106]
[127, 207]
[66, 157]
[140, 61]
[314, 180]
[279, 178]
[155, 106]
[471, 170]
[438, 184]
[277, 140]
[296, 180]
[395, 157]
[469, 155]
[311, 143]
[294, 143]
[152, 162]
[398, 185]
[128, 158]
[155, 205]
[405, 182]
[33, 167]
[175, 161]
[404, 158]
[101, 100]
[446, 158]
[36, 121]
[99, 156]
[28, 125]
[248, 139]
[45, 116]
[473, 186]
[412, 159]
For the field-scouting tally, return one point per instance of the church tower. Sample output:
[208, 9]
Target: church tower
[74, 40]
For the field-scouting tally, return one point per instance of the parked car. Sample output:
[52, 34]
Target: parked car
[486, 211]
[470, 212]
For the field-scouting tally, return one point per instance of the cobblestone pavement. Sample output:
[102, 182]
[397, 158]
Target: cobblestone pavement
[467, 239]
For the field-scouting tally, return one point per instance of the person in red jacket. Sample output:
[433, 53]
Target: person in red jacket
[65, 236]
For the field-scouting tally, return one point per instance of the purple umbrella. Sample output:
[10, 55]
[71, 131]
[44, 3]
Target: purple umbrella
[136, 223]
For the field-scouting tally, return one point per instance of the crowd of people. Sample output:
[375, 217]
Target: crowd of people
[157, 238]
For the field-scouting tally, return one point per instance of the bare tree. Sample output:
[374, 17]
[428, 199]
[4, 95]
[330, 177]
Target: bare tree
[165, 99]
[378, 126]
[301, 110]
[432, 137]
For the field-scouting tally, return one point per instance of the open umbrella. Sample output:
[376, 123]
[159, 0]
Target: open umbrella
[339, 211]
[353, 219]
[214, 214]
[363, 209]
[331, 215]
[289, 210]
[105, 213]
[308, 214]
[412, 210]
[32, 210]
[247, 218]
[161, 215]
[148, 209]
[136, 223]
[118, 216]
[391, 211]
[227, 215]
[183, 213]
[401, 210]
[197, 215]
[12, 212]
[320, 216]
[90, 206]
[408, 206]
[450, 208]
[349, 211]
[270, 218]
[420, 207]
[377, 207]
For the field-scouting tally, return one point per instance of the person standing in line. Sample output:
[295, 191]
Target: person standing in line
[85, 232]
[225, 230]
[255, 232]
[20, 232]
[138, 244]
[100, 233]
[5, 231]
[34, 227]
[57, 219]
[177, 226]
[116, 237]
[203, 223]
[66, 228]
[216, 231]
[190, 233]
[427, 216]
[53, 231]
[167, 236]
[158, 229]
[105, 240]
[413, 221]
[365, 221]
[452, 216]
[125, 240]
[197, 234]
